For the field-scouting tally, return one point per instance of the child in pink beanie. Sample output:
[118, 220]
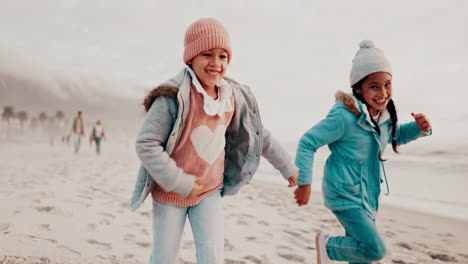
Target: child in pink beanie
[202, 138]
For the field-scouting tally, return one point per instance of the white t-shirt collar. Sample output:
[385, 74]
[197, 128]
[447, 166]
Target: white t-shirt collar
[211, 106]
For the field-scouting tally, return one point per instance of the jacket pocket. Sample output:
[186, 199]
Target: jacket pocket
[353, 190]
[350, 174]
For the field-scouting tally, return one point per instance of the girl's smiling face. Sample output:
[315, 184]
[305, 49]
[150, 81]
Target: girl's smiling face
[210, 67]
[376, 91]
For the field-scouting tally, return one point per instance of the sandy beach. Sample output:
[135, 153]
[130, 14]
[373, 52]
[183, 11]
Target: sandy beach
[57, 207]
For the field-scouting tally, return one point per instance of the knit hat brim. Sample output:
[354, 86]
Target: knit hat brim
[205, 34]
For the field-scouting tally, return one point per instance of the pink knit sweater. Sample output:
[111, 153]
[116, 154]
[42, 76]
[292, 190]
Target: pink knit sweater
[199, 152]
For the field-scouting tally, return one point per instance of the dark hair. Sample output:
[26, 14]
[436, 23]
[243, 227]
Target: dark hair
[391, 109]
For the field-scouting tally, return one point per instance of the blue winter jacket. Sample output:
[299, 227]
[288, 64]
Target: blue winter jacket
[246, 140]
[352, 173]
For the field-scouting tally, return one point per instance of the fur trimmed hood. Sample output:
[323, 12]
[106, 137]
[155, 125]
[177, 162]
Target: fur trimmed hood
[349, 102]
[357, 108]
[168, 90]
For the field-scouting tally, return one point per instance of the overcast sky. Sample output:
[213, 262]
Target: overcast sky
[294, 54]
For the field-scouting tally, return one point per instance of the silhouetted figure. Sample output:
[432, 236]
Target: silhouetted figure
[97, 134]
[77, 130]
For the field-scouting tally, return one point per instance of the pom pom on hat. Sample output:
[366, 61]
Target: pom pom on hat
[366, 44]
[205, 34]
[368, 60]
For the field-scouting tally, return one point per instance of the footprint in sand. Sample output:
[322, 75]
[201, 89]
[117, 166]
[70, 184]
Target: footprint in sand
[257, 260]
[129, 237]
[422, 245]
[233, 261]
[445, 234]
[294, 234]
[101, 245]
[398, 261]
[248, 216]
[46, 209]
[144, 231]
[328, 220]
[241, 222]
[145, 214]
[263, 223]
[227, 245]
[104, 222]
[282, 247]
[107, 214]
[292, 257]
[144, 244]
[251, 238]
[442, 257]
[404, 245]
[24, 260]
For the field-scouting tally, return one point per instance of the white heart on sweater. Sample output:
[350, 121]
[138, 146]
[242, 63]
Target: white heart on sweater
[208, 144]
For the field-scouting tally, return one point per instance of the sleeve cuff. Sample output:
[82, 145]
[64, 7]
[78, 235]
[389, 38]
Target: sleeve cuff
[185, 185]
[289, 170]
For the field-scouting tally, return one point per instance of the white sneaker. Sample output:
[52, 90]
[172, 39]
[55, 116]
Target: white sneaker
[321, 243]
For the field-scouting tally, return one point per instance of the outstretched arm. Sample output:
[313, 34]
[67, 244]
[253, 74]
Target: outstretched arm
[279, 158]
[325, 132]
[420, 127]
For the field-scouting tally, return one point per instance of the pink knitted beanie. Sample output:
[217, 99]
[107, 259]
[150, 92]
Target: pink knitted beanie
[205, 34]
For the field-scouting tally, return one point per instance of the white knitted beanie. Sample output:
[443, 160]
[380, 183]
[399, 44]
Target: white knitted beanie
[368, 60]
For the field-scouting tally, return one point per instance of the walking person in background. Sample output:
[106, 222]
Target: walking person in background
[202, 138]
[97, 134]
[357, 129]
[77, 131]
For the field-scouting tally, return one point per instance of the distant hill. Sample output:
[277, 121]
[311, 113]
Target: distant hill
[42, 93]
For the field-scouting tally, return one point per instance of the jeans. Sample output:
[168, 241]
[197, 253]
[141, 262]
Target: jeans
[206, 220]
[362, 243]
[76, 141]
[98, 145]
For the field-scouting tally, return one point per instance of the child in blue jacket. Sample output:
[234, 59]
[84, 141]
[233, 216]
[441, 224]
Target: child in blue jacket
[357, 130]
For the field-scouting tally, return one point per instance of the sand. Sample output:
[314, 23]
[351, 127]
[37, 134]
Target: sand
[58, 207]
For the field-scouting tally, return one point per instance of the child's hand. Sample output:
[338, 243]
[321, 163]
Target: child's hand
[293, 180]
[302, 194]
[196, 189]
[422, 122]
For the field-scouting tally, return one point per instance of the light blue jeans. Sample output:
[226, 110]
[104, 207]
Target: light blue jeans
[206, 220]
[362, 243]
[76, 141]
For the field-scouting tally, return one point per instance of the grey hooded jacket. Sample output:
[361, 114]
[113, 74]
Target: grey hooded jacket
[246, 140]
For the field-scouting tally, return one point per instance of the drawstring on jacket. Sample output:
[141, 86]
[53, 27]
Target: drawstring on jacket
[385, 176]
